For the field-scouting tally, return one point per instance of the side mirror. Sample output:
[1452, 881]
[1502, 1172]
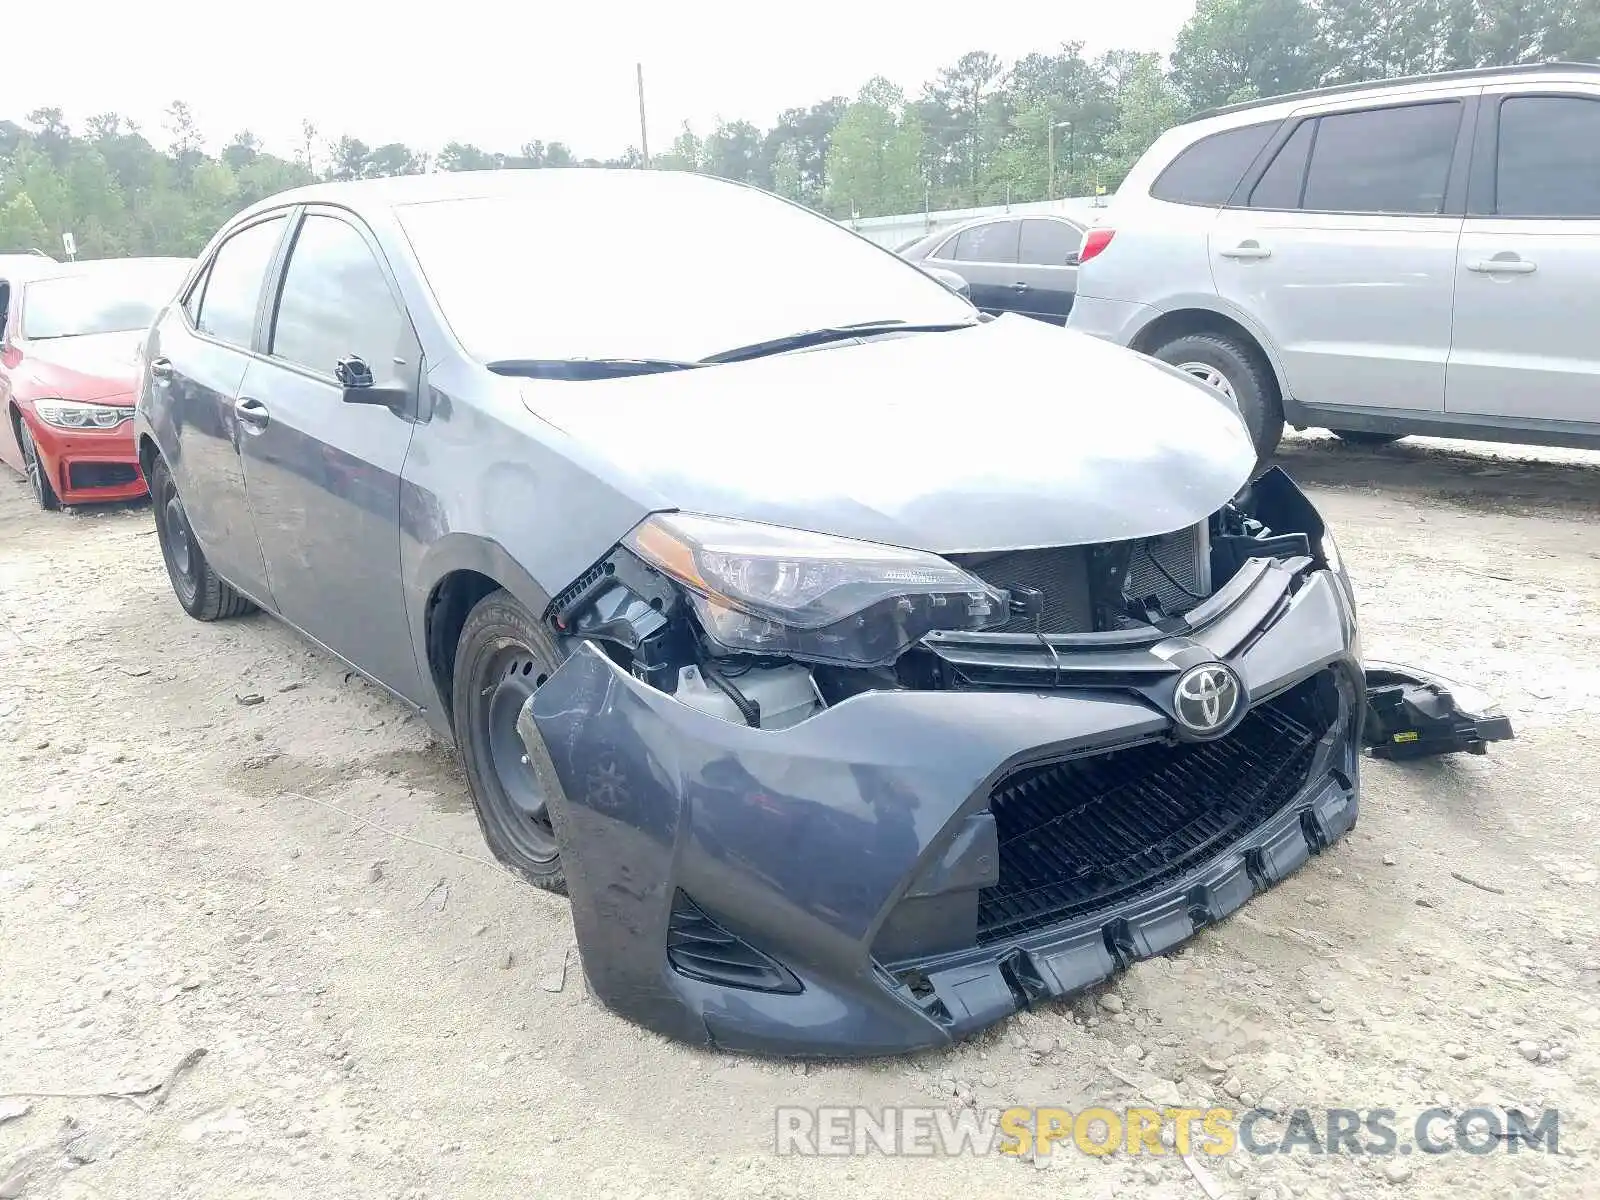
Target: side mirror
[355, 377]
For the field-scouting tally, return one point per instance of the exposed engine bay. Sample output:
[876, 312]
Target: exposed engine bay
[1043, 600]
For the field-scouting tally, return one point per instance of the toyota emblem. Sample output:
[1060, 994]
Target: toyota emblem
[1207, 699]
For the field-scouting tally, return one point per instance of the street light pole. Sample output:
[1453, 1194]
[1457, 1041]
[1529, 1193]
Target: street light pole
[644, 136]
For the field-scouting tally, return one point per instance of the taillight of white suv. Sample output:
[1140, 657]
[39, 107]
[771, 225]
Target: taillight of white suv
[1094, 242]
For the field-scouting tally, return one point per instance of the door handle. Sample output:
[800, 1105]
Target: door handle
[1247, 250]
[1019, 287]
[252, 414]
[1503, 266]
[161, 368]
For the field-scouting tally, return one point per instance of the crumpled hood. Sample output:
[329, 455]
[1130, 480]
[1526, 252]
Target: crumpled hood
[97, 366]
[1011, 435]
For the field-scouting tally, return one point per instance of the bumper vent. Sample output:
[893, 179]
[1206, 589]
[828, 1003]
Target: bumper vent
[87, 475]
[1079, 835]
[701, 949]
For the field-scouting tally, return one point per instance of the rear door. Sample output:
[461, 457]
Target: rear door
[986, 257]
[1343, 248]
[200, 357]
[1529, 264]
[323, 473]
[1047, 267]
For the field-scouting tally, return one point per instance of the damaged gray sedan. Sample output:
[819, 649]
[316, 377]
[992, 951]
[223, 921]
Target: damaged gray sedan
[864, 669]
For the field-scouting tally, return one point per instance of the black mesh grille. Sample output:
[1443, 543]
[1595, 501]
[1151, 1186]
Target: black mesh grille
[1076, 836]
[701, 949]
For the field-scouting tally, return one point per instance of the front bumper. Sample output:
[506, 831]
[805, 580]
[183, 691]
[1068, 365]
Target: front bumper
[89, 466]
[839, 888]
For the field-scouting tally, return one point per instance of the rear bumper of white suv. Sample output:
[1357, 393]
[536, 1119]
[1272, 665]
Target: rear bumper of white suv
[1116, 321]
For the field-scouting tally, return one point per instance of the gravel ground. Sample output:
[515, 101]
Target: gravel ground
[213, 838]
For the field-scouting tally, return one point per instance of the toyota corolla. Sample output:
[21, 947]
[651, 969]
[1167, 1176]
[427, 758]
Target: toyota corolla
[862, 668]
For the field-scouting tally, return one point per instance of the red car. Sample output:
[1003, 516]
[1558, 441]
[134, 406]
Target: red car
[67, 371]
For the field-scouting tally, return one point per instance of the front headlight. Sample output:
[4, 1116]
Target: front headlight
[75, 414]
[764, 589]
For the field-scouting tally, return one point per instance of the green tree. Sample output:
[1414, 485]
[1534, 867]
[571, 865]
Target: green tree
[873, 156]
[1233, 50]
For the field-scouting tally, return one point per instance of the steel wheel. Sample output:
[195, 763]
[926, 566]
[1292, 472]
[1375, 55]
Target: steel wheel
[512, 674]
[177, 540]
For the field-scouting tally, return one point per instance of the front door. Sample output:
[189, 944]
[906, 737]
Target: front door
[1529, 265]
[986, 257]
[1343, 252]
[324, 474]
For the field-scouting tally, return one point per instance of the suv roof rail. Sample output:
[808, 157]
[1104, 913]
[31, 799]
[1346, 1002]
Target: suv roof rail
[1370, 85]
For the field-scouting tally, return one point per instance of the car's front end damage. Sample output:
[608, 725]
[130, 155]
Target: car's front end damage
[896, 831]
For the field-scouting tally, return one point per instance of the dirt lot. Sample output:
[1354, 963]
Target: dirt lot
[213, 838]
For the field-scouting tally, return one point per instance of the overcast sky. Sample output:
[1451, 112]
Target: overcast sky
[500, 74]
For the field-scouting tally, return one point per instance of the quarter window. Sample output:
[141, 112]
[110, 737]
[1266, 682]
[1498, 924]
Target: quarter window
[232, 290]
[1048, 243]
[336, 303]
[1280, 185]
[1208, 171]
[1383, 160]
[995, 242]
[1549, 157]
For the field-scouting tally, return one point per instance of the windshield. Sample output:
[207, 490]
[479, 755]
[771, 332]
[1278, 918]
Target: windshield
[652, 265]
[110, 299]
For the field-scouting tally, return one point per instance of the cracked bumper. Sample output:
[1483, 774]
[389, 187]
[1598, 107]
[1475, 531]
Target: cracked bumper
[854, 849]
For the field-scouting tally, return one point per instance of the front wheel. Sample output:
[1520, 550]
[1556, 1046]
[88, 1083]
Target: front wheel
[33, 467]
[504, 655]
[201, 592]
[1236, 371]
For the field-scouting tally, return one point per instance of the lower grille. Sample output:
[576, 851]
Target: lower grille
[1079, 835]
[101, 475]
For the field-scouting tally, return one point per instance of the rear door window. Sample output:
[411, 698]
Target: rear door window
[1549, 157]
[1383, 160]
[1208, 171]
[995, 242]
[233, 285]
[1048, 243]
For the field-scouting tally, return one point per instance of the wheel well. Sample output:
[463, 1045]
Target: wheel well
[452, 598]
[1189, 321]
[147, 455]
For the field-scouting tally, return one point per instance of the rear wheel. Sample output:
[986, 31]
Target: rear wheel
[1235, 370]
[504, 655]
[1361, 437]
[202, 593]
[33, 467]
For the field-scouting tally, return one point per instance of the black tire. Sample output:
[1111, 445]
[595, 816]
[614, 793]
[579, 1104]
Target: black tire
[1254, 389]
[43, 491]
[201, 592]
[1361, 437]
[504, 654]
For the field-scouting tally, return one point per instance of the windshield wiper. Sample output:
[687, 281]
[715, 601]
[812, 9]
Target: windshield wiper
[586, 368]
[832, 333]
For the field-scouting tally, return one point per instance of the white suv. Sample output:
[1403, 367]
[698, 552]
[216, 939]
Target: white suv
[1414, 256]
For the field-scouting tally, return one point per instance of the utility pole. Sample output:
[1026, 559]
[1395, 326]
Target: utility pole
[644, 136]
[1055, 125]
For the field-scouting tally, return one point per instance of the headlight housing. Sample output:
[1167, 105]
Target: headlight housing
[77, 414]
[1330, 554]
[764, 589]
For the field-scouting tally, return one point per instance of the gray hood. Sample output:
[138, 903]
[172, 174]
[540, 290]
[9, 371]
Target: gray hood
[1013, 434]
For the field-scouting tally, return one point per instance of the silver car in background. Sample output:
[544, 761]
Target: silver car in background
[1414, 256]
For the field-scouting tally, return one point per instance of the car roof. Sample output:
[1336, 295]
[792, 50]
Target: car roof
[401, 190]
[24, 266]
[1378, 87]
[104, 266]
